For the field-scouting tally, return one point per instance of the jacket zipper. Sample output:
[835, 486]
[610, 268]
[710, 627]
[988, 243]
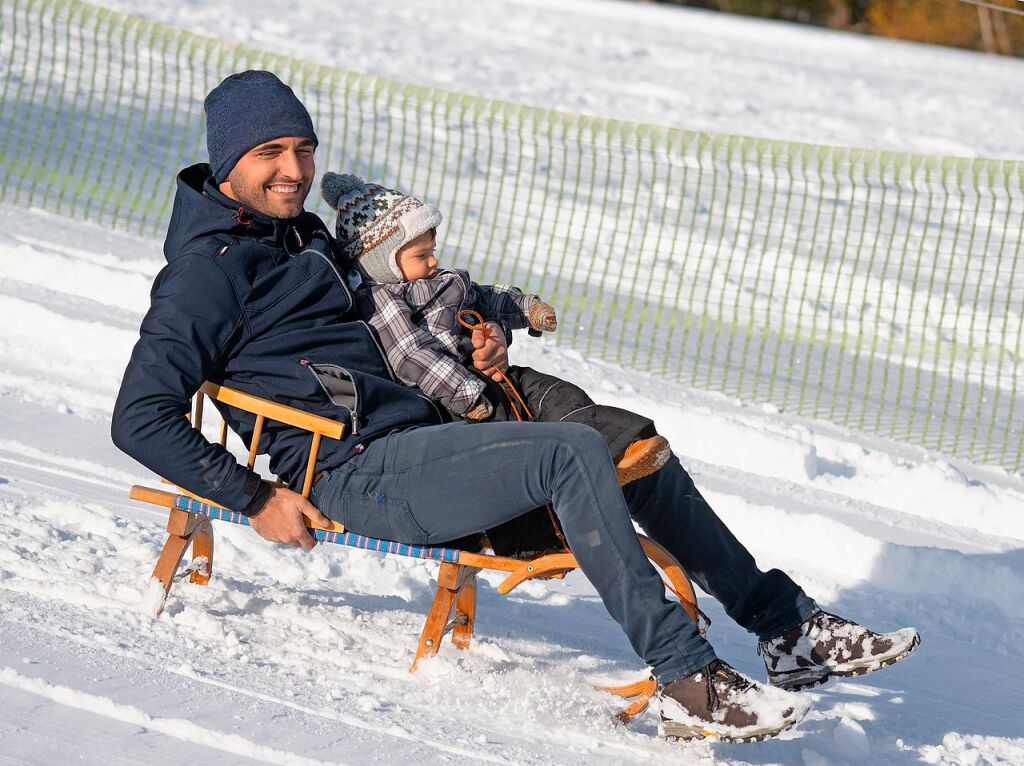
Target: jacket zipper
[337, 274]
[440, 417]
[353, 411]
[380, 348]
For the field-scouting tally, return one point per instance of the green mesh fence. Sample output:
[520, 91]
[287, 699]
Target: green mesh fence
[879, 291]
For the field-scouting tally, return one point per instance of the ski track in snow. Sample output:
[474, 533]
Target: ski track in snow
[298, 658]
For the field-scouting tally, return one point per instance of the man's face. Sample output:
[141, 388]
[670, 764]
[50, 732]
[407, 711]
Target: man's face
[273, 178]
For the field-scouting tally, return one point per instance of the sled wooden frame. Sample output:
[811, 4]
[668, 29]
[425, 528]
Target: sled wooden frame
[189, 524]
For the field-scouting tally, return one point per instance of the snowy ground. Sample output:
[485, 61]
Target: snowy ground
[684, 68]
[302, 658]
[295, 658]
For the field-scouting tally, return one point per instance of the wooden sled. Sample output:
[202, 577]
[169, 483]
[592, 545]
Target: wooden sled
[454, 606]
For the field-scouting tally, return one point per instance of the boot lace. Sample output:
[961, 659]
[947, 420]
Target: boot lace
[717, 673]
[820, 619]
[829, 620]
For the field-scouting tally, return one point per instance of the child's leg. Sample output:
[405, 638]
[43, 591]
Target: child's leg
[635, 445]
[552, 399]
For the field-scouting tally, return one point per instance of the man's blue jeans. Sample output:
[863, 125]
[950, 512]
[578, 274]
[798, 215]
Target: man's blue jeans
[433, 484]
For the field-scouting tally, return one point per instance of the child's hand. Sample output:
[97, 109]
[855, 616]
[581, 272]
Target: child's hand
[480, 411]
[490, 354]
[542, 316]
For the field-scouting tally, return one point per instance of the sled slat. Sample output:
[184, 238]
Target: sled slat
[280, 413]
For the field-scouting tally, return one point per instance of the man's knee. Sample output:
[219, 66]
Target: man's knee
[583, 443]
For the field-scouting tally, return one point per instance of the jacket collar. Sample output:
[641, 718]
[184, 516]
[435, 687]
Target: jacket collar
[201, 211]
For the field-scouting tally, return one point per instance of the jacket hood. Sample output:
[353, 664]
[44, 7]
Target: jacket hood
[201, 211]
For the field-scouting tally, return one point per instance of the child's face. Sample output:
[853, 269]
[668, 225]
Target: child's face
[416, 258]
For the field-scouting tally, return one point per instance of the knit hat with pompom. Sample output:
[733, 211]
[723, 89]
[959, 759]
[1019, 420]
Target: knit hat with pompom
[374, 222]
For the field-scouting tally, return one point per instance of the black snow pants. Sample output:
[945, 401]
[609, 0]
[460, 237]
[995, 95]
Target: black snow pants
[553, 400]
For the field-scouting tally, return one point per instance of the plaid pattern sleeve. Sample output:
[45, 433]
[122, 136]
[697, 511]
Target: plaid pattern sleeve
[418, 357]
[502, 303]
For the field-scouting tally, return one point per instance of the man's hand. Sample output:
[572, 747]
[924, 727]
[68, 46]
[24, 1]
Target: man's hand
[490, 353]
[282, 519]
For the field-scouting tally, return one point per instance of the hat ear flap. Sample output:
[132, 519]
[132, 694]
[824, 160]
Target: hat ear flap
[334, 185]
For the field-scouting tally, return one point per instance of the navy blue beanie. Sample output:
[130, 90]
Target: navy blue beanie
[246, 110]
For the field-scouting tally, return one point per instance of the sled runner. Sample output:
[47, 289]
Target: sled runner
[454, 606]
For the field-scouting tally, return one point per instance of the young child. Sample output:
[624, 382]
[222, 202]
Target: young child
[388, 238]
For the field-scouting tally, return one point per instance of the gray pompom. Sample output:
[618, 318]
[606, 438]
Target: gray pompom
[333, 185]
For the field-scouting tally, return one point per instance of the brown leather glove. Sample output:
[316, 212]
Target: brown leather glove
[542, 316]
[480, 411]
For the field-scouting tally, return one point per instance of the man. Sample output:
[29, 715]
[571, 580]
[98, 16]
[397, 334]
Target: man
[252, 296]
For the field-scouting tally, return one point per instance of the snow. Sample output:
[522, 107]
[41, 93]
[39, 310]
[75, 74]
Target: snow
[294, 657]
[288, 657]
[683, 68]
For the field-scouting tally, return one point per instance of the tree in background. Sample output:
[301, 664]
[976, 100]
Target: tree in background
[837, 14]
[941, 22]
[950, 23]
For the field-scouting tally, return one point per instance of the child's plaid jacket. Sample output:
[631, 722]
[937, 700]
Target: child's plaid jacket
[425, 346]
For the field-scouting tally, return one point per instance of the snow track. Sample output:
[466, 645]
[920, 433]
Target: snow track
[296, 658]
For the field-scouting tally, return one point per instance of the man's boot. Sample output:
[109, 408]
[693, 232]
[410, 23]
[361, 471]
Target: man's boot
[718, 702]
[642, 458]
[827, 645]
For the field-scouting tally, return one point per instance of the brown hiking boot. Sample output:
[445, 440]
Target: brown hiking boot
[719, 702]
[642, 458]
[827, 645]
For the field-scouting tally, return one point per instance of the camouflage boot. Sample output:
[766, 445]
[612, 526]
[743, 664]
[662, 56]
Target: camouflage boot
[827, 645]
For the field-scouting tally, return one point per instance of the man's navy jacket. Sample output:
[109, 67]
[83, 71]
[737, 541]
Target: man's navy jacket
[257, 304]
